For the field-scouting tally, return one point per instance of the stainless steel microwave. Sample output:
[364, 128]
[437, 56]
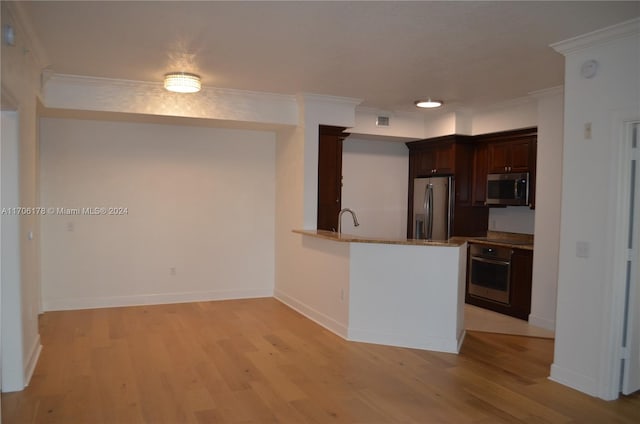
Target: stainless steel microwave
[508, 189]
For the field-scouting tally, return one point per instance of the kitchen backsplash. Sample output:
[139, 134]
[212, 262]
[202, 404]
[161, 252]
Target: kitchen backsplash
[513, 219]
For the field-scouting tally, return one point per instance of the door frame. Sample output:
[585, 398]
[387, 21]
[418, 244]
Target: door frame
[610, 373]
[11, 331]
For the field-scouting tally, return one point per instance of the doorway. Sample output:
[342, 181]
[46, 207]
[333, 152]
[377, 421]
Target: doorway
[630, 343]
[11, 343]
[620, 366]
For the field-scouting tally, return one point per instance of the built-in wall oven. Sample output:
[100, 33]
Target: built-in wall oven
[490, 273]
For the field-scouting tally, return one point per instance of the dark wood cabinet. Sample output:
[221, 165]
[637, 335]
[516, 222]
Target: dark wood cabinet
[504, 152]
[520, 278]
[509, 156]
[435, 160]
[329, 176]
[448, 155]
[480, 171]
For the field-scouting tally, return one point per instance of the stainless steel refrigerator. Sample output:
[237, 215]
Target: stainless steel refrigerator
[432, 207]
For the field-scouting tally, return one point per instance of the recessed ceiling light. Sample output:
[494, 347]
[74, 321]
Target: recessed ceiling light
[428, 104]
[182, 82]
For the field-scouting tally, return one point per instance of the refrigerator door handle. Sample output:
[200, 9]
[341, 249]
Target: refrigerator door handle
[426, 194]
[425, 207]
[429, 212]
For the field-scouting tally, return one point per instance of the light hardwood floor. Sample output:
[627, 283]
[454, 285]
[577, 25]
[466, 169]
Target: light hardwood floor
[257, 361]
[480, 319]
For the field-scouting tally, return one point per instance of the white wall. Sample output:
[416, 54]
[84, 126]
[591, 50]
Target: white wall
[408, 125]
[11, 310]
[300, 267]
[375, 186]
[514, 114]
[21, 65]
[512, 219]
[199, 200]
[437, 124]
[150, 98]
[410, 296]
[583, 332]
[315, 110]
[548, 206]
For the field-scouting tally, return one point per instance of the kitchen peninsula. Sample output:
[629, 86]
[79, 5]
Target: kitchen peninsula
[407, 293]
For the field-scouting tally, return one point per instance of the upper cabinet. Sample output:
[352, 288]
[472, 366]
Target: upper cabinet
[438, 159]
[448, 155]
[509, 156]
[480, 171]
[504, 152]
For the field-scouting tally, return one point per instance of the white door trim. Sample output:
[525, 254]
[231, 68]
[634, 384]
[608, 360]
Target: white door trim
[13, 378]
[614, 290]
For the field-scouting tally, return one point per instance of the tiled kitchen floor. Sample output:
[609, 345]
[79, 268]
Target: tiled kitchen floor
[479, 319]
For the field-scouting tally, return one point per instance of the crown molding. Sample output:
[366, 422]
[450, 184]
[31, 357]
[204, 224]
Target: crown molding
[77, 92]
[375, 111]
[20, 17]
[622, 30]
[322, 98]
[505, 104]
[558, 90]
[83, 80]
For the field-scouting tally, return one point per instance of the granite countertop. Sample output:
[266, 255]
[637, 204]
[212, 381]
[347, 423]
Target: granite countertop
[349, 238]
[498, 238]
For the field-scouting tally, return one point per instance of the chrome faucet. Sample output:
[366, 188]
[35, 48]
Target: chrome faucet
[353, 214]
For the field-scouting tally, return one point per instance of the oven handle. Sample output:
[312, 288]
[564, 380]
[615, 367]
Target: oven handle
[490, 261]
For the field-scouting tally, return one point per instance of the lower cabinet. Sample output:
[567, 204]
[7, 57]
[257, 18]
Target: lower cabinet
[519, 285]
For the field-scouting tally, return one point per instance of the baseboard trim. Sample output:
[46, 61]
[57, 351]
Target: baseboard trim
[463, 334]
[34, 355]
[152, 299]
[436, 344]
[314, 315]
[545, 323]
[574, 380]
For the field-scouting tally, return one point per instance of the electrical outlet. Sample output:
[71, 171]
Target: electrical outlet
[172, 270]
[341, 295]
[70, 226]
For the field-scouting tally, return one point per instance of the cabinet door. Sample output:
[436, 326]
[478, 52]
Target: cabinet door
[521, 275]
[479, 184]
[444, 160]
[519, 156]
[425, 163]
[329, 177]
[498, 157]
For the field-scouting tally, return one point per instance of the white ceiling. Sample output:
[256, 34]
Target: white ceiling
[387, 53]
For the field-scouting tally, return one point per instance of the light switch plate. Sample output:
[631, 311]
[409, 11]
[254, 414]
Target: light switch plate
[582, 249]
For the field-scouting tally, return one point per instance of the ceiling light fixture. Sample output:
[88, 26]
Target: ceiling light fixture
[428, 104]
[182, 82]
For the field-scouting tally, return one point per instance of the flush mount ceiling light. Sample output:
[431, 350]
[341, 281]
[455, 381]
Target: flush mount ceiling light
[428, 104]
[182, 82]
